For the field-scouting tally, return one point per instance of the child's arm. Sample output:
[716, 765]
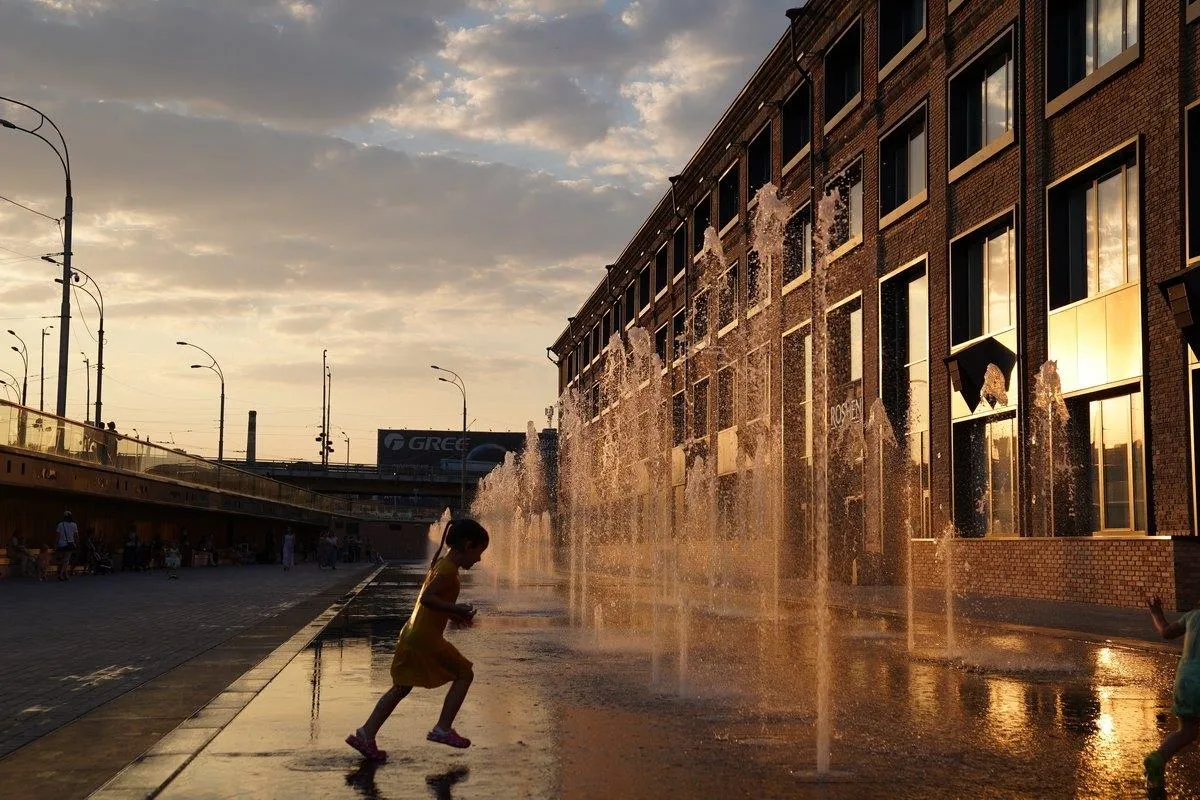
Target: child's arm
[1167, 630]
[431, 599]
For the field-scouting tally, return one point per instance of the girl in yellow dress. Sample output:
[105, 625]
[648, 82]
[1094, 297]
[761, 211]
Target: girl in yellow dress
[423, 657]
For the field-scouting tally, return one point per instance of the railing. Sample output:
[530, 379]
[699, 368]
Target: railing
[37, 432]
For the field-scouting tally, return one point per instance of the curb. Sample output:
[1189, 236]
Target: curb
[149, 774]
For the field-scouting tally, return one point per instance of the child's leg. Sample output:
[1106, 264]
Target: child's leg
[1189, 727]
[454, 700]
[383, 709]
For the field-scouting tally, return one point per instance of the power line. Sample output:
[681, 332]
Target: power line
[27, 208]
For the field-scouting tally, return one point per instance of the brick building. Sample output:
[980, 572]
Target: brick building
[1012, 185]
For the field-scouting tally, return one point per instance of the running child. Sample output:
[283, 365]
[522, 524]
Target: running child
[423, 657]
[1187, 689]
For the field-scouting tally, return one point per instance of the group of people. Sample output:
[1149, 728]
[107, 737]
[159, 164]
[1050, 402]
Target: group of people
[66, 549]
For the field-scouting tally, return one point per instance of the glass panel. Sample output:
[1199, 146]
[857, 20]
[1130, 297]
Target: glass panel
[918, 396]
[1092, 242]
[1001, 448]
[916, 163]
[808, 404]
[700, 409]
[1115, 435]
[996, 103]
[1131, 22]
[1089, 33]
[1097, 443]
[1133, 214]
[1110, 30]
[999, 279]
[1111, 234]
[918, 319]
[726, 387]
[1138, 443]
[856, 209]
[856, 345]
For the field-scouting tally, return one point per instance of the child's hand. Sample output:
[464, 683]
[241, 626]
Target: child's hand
[1155, 604]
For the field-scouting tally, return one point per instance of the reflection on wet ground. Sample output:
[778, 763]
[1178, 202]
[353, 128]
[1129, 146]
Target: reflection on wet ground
[560, 712]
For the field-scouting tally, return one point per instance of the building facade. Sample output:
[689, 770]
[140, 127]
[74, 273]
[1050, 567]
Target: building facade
[1013, 266]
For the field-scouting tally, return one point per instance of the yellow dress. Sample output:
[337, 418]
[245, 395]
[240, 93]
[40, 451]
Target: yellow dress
[423, 657]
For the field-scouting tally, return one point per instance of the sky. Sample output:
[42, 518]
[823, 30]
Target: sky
[398, 182]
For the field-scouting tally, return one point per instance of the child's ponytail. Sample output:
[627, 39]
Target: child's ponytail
[459, 533]
[437, 553]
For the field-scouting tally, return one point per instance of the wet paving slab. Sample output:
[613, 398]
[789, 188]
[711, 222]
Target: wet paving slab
[558, 711]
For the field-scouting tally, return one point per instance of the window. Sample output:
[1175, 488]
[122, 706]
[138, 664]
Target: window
[1084, 35]
[846, 229]
[985, 476]
[845, 356]
[756, 290]
[700, 409]
[728, 306]
[679, 333]
[1193, 181]
[630, 304]
[904, 343]
[595, 404]
[606, 329]
[900, 21]
[661, 346]
[797, 409]
[983, 283]
[644, 288]
[679, 251]
[726, 398]
[572, 369]
[617, 316]
[662, 265]
[1193, 10]
[587, 349]
[596, 347]
[700, 320]
[981, 102]
[757, 382]
[843, 73]
[729, 196]
[701, 220]
[797, 245]
[1112, 430]
[795, 121]
[1095, 242]
[758, 162]
[902, 163]
[678, 419]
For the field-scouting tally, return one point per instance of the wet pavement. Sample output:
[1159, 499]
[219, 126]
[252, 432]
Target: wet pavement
[561, 712]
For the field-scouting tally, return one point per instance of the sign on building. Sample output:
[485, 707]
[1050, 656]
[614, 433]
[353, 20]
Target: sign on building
[443, 450]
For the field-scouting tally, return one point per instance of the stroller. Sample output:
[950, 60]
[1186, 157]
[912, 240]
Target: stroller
[98, 563]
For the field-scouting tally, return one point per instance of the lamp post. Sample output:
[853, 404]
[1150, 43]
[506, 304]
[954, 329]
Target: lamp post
[64, 158]
[215, 367]
[23, 352]
[458, 383]
[80, 280]
[87, 367]
[8, 388]
[346, 439]
[42, 372]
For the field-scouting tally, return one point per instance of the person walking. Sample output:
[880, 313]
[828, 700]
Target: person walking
[289, 550]
[68, 535]
[1186, 707]
[129, 556]
[21, 552]
[423, 656]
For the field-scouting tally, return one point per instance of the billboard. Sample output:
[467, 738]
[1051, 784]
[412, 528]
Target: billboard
[443, 450]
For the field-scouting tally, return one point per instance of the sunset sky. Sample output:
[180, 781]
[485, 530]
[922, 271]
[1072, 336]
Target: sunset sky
[401, 182]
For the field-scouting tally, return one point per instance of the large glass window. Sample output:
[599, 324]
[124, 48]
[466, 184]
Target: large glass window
[661, 344]
[596, 346]
[630, 303]
[843, 71]
[726, 398]
[758, 162]
[1084, 35]
[1095, 234]
[902, 163]
[644, 291]
[617, 321]
[1193, 181]
[700, 409]
[985, 476]
[679, 254]
[899, 23]
[679, 333]
[797, 245]
[700, 318]
[606, 329]
[1116, 442]
[678, 412]
[758, 384]
[729, 194]
[701, 220]
[796, 122]
[983, 283]
[756, 289]
[587, 349]
[662, 266]
[981, 102]
[796, 400]
[728, 308]
[847, 191]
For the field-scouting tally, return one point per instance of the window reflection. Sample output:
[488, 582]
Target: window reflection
[1116, 479]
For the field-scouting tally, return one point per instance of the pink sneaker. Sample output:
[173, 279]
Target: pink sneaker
[449, 737]
[367, 748]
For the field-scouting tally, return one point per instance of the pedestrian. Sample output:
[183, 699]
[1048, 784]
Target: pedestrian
[43, 563]
[129, 556]
[171, 561]
[68, 534]
[423, 656]
[1187, 690]
[289, 550]
[20, 552]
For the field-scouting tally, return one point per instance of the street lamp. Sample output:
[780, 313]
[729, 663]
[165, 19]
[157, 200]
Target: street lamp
[23, 352]
[346, 439]
[42, 372]
[215, 367]
[458, 383]
[7, 388]
[81, 280]
[64, 158]
[87, 366]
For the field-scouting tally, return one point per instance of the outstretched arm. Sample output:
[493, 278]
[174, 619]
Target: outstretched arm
[432, 600]
[1167, 630]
